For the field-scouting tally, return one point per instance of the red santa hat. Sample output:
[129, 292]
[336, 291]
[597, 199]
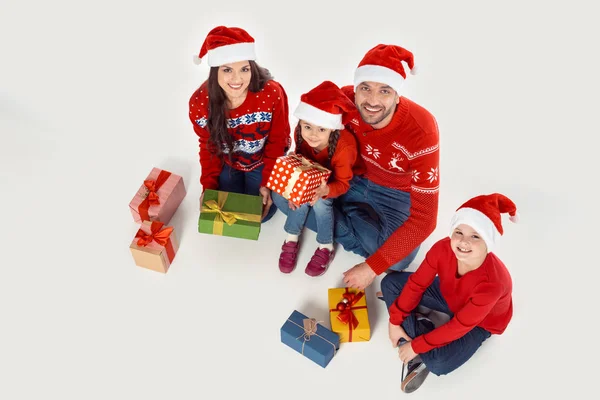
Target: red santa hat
[225, 45]
[324, 106]
[383, 64]
[483, 214]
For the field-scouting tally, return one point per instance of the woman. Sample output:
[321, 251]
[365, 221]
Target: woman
[240, 115]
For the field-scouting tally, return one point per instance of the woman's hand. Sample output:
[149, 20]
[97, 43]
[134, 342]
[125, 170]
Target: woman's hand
[265, 192]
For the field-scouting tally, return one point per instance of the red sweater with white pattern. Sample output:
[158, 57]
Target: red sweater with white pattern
[405, 156]
[340, 164]
[259, 128]
[482, 297]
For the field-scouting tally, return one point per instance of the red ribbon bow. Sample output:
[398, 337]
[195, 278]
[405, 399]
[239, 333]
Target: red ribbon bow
[152, 198]
[158, 235]
[346, 316]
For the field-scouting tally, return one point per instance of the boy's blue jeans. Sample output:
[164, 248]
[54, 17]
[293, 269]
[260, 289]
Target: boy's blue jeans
[441, 360]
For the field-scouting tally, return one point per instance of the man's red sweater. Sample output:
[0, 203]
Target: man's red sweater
[482, 297]
[405, 156]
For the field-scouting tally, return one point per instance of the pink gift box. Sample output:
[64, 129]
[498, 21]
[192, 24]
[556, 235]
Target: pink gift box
[158, 197]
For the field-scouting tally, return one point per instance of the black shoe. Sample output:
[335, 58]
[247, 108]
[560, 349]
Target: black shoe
[416, 372]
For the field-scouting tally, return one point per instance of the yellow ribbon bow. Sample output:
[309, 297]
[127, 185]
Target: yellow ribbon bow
[228, 217]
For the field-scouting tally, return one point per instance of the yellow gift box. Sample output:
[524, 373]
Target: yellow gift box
[349, 315]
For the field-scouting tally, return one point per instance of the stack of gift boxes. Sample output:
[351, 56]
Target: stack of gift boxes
[155, 244]
[239, 215]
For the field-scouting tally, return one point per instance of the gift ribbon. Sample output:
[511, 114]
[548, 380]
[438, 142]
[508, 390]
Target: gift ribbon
[228, 217]
[346, 316]
[298, 170]
[158, 235]
[152, 197]
[309, 328]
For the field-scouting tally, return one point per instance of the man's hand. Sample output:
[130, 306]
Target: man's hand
[360, 276]
[321, 192]
[396, 332]
[265, 192]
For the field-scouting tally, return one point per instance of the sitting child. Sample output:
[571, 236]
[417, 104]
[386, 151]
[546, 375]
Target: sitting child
[461, 277]
[320, 137]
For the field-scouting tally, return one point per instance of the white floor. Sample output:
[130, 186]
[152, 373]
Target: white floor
[93, 96]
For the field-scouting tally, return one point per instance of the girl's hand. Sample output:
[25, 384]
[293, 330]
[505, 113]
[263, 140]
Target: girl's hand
[265, 192]
[293, 206]
[321, 192]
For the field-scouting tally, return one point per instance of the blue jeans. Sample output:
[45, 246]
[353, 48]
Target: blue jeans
[441, 360]
[323, 211]
[365, 217]
[235, 181]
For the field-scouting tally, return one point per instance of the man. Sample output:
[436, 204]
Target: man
[392, 204]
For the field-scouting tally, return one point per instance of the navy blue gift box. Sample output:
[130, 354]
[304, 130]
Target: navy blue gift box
[309, 338]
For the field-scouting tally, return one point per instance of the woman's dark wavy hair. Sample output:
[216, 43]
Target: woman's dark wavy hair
[217, 106]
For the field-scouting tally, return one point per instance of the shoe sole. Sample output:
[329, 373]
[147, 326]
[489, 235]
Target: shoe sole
[415, 379]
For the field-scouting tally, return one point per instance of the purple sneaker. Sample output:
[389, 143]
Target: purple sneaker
[287, 258]
[319, 262]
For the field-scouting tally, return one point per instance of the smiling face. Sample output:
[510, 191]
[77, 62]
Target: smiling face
[316, 136]
[468, 246]
[234, 79]
[376, 103]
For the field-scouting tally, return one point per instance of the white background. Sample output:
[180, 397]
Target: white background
[92, 96]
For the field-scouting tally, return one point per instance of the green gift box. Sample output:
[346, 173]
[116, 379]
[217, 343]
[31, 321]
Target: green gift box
[230, 214]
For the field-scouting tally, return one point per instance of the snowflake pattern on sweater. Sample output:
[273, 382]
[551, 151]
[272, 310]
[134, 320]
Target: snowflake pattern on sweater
[259, 128]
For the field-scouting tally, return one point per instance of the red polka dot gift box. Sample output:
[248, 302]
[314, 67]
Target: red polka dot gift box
[296, 178]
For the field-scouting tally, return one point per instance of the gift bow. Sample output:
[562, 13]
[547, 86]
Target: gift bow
[151, 199]
[310, 329]
[160, 236]
[346, 316]
[152, 196]
[228, 217]
[306, 165]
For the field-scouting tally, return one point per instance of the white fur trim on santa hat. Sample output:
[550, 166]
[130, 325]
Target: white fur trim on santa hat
[377, 73]
[316, 116]
[479, 222]
[230, 53]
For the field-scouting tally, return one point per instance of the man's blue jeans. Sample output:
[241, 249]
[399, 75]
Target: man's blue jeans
[441, 360]
[235, 181]
[365, 217]
[296, 219]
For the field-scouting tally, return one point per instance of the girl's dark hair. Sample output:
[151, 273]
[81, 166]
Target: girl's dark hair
[333, 140]
[217, 106]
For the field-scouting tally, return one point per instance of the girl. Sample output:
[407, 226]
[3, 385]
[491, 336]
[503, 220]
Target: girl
[320, 137]
[461, 277]
[240, 115]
